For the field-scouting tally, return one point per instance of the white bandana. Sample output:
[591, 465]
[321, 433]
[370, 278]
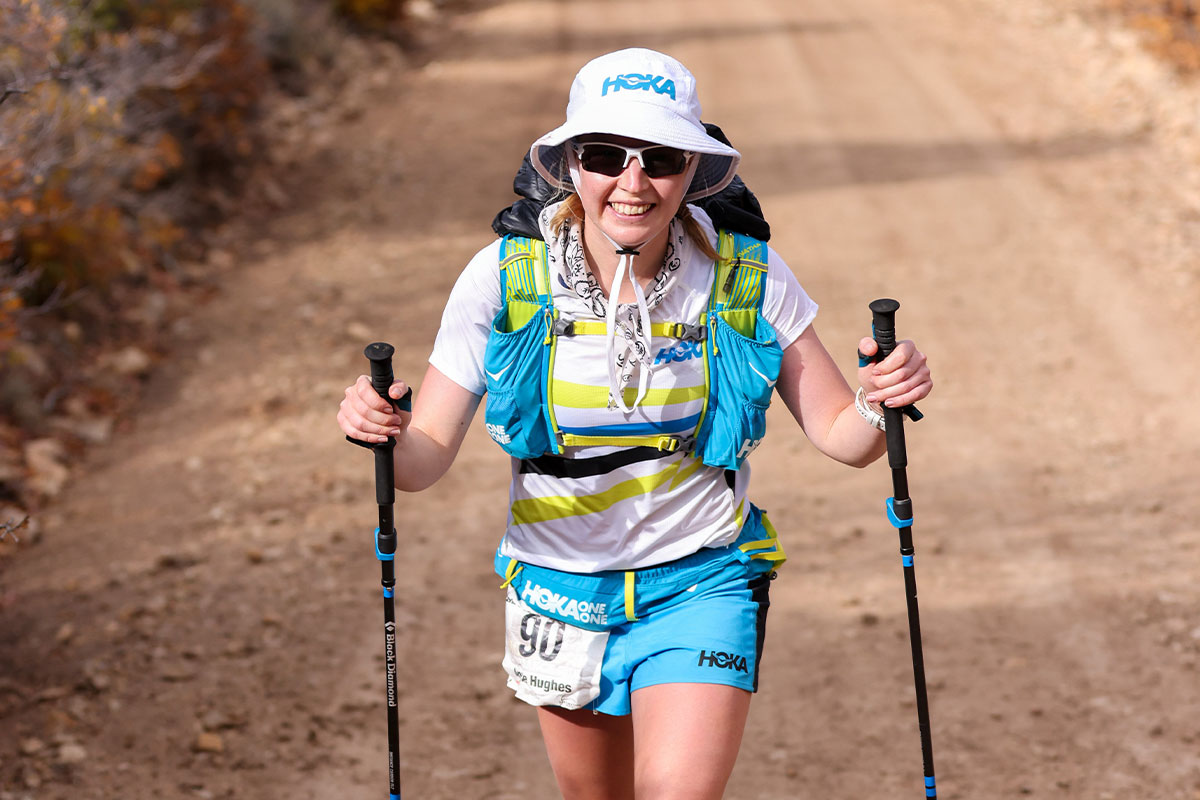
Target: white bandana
[628, 323]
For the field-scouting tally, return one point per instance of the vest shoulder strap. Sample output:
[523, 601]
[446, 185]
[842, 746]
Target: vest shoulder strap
[741, 272]
[524, 270]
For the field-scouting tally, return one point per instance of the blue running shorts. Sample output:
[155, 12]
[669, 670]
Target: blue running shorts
[700, 619]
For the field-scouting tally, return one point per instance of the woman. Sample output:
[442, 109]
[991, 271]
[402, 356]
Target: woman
[636, 570]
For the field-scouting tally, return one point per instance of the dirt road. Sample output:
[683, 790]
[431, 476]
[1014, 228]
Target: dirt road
[201, 618]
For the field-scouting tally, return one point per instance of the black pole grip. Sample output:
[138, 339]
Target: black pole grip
[883, 322]
[380, 356]
[883, 327]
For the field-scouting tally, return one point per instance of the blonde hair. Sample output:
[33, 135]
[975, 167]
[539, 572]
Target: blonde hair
[572, 208]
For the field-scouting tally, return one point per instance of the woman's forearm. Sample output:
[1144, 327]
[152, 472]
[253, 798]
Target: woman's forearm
[421, 460]
[851, 440]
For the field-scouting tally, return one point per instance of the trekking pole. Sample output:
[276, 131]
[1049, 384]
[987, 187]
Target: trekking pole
[900, 513]
[380, 356]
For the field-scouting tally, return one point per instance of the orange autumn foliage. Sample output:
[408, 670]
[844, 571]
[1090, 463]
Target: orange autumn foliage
[1171, 28]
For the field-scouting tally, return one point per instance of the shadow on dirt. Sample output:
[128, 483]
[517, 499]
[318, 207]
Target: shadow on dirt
[816, 166]
[492, 47]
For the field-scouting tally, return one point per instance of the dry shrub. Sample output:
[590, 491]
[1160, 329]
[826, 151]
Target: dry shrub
[1171, 28]
[126, 127]
[380, 16]
[109, 105]
[117, 118]
[115, 115]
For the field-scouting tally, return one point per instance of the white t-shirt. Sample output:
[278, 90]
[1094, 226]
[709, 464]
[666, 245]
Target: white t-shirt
[603, 513]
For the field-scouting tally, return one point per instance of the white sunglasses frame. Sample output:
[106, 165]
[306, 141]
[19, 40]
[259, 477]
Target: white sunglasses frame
[630, 154]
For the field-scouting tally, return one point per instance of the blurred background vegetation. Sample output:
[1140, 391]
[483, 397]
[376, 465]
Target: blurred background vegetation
[1171, 28]
[128, 129]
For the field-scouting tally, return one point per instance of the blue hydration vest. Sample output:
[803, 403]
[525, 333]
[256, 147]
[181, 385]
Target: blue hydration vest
[741, 358]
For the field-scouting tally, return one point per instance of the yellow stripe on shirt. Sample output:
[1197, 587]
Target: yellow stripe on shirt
[544, 509]
[581, 395]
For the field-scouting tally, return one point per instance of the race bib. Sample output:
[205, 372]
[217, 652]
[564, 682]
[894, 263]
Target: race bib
[550, 663]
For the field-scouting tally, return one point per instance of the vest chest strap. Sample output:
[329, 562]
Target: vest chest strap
[565, 326]
[669, 444]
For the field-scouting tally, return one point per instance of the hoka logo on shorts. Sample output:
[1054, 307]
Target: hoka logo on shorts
[633, 80]
[683, 351]
[722, 661]
[498, 433]
[582, 611]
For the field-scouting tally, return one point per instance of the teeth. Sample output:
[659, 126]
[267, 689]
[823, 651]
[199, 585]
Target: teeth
[629, 209]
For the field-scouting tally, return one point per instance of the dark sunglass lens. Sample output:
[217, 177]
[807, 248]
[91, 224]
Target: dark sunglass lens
[664, 161]
[603, 158]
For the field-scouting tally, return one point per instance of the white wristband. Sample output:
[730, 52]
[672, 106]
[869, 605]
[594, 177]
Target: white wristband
[871, 415]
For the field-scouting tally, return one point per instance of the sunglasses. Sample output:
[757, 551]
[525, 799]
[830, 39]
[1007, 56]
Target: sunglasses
[658, 161]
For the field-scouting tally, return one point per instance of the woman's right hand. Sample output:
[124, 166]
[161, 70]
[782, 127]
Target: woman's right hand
[366, 416]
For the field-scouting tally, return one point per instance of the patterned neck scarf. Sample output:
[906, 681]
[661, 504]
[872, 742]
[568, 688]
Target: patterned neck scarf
[628, 323]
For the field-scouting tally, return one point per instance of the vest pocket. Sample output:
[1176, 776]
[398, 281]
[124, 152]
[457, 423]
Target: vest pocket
[736, 431]
[514, 366]
[744, 370]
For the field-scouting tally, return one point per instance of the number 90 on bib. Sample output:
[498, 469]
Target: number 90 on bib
[550, 662]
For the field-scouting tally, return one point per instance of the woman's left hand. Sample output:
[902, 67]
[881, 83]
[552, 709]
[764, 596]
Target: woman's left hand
[901, 379]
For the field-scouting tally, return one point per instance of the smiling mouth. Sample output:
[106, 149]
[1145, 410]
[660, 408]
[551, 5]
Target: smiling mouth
[631, 209]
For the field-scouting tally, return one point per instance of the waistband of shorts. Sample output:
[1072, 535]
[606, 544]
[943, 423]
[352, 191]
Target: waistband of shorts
[757, 540]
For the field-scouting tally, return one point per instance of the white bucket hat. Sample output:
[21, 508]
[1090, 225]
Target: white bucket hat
[644, 95]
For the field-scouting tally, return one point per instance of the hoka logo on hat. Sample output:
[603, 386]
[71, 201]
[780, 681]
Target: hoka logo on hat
[633, 80]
